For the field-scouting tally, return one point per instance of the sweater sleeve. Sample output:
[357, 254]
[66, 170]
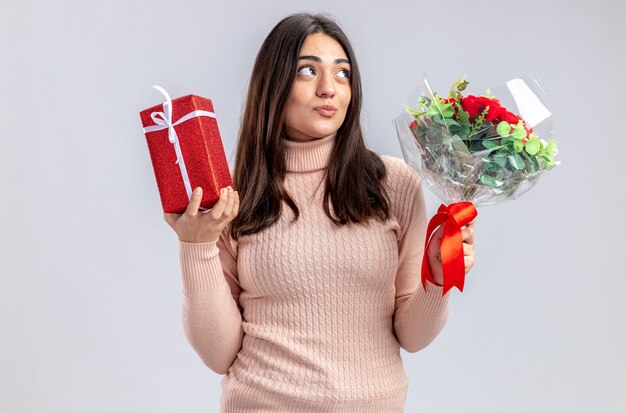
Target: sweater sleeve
[211, 313]
[419, 314]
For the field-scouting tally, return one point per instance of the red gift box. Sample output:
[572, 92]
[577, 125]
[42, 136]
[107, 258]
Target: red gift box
[186, 151]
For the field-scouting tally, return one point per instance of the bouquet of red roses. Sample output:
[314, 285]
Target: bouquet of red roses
[476, 150]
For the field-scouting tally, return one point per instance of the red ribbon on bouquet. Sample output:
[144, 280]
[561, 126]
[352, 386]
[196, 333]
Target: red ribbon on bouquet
[453, 217]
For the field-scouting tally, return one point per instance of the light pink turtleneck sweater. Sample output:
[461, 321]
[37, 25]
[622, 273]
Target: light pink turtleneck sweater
[308, 316]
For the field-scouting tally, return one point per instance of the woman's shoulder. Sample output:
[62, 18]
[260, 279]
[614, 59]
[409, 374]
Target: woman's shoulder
[404, 187]
[400, 176]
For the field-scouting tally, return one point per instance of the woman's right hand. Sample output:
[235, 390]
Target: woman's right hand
[204, 226]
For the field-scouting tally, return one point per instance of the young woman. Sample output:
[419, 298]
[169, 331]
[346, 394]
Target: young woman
[303, 294]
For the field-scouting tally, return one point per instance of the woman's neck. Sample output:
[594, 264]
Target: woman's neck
[308, 156]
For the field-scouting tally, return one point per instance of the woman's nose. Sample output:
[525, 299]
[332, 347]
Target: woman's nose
[325, 87]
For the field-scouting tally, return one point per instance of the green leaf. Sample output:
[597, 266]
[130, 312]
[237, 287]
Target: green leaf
[490, 144]
[507, 140]
[447, 110]
[451, 122]
[500, 158]
[491, 166]
[534, 165]
[458, 86]
[516, 161]
[532, 146]
[432, 110]
[504, 129]
[519, 133]
[459, 145]
[518, 146]
[424, 102]
[463, 117]
[546, 158]
[490, 181]
[464, 131]
[551, 147]
[412, 111]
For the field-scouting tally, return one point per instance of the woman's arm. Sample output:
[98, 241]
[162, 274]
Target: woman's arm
[211, 315]
[211, 312]
[419, 315]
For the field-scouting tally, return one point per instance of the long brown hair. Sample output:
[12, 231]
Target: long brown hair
[354, 176]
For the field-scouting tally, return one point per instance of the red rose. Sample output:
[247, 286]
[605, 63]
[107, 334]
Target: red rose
[470, 105]
[413, 124]
[493, 105]
[508, 117]
[475, 105]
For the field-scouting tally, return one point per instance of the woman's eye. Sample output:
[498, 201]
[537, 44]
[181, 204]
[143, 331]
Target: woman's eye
[306, 70]
[345, 73]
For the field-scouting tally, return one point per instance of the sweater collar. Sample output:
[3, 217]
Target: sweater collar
[308, 156]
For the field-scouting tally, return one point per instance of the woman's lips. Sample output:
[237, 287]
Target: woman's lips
[327, 111]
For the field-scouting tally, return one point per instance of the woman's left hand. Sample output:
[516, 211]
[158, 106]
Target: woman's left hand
[434, 256]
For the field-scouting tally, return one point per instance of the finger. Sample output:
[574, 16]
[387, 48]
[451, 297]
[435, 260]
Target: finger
[469, 263]
[467, 235]
[218, 208]
[468, 249]
[236, 208]
[230, 204]
[194, 202]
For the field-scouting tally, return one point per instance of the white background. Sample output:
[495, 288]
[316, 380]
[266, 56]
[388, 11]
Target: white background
[90, 290]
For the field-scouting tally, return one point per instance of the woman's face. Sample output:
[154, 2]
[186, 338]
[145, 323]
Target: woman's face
[321, 93]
